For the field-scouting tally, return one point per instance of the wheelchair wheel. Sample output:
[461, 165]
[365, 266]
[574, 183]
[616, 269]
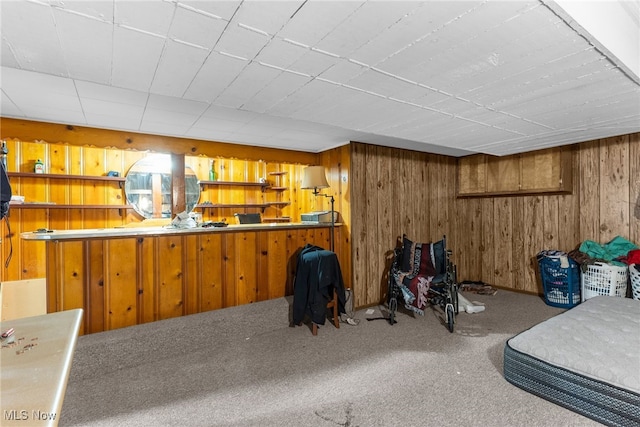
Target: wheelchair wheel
[450, 316]
[393, 306]
[454, 298]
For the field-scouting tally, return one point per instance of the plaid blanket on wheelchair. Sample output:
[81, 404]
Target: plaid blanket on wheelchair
[414, 284]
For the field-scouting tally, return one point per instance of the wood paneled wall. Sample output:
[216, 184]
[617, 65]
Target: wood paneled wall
[133, 280]
[494, 239]
[73, 151]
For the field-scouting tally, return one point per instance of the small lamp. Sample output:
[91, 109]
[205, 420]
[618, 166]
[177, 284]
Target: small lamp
[315, 178]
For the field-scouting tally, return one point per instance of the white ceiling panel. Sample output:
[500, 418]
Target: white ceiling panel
[281, 53]
[147, 16]
[317, 19]
[449, 77]
[242, 41]
[97, 9]
[267, 16]
[276, 91]
[87, 58]
[200, 29]
[135, 59]
[217, 73]
[7, 107]
[365, 23]
[250, 81]
[223, 9]
[314, 63]
[178, 66]
[29, 30]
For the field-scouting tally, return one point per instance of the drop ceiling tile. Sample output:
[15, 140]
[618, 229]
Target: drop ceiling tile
[151, 16]
[176, 105]
[88, 90]
[280, 53]
[30, 88]
[275, 91]
[269, 16]
[115, 109]
[313, 63]
[223, 113]
[8, 108]
[30, 31]
[88, 46]
[252, 79]
[217, 73]
[213, 124]
[7, 58]
[135, 59]
[98, 9]
[306, 102]
[365, 23]
[224, 9]
[178, 66]
[241, 42]
[343, 71]
[111, 121]
[192, 27]
[315, 19]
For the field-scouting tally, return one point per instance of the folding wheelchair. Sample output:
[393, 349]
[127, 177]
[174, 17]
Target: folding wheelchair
[422, 275]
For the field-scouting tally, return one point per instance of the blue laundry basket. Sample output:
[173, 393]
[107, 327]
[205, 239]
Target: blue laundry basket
[560, 279]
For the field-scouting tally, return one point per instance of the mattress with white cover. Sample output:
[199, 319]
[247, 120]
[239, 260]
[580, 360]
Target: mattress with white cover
[586, 359]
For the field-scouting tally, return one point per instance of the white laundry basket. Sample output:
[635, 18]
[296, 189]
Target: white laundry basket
[604, 279]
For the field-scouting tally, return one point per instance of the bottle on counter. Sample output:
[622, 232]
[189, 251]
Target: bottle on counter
[39, 166]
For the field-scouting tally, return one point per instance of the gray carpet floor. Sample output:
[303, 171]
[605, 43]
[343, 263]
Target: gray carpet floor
[246, 366]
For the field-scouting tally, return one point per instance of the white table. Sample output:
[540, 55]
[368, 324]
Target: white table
[34, 369]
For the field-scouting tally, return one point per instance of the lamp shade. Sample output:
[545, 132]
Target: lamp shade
[314, 177]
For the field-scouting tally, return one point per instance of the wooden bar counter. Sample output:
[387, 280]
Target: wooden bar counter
[128, 276]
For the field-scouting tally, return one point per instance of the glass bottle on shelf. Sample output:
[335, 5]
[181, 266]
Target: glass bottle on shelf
[38, 166]
[213, 176]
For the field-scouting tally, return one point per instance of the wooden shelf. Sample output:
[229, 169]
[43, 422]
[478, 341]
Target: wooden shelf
[277, 173]
[62, 176]
[236, 183]
[261, 206]
[61, 206]
[278, 188]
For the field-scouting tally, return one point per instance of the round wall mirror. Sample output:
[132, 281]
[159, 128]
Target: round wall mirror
[147, 187]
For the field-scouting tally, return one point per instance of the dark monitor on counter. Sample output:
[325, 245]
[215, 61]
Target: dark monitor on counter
[250, 218]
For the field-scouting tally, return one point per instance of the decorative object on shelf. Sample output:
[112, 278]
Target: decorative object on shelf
[38, 167]
[315, 178]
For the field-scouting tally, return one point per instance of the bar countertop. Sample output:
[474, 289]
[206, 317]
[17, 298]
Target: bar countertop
[118, 232]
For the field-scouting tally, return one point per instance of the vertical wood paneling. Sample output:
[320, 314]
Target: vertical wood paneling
[192, 278]
[245, 276]
[589, 154]
[503, 229]
[95, 320]
[211, 273]
[614, 188]
[121, 294]
[170, 277]
[634, 188]
[146, 279]
[276, 259]
[519, 262]
[359, 224]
